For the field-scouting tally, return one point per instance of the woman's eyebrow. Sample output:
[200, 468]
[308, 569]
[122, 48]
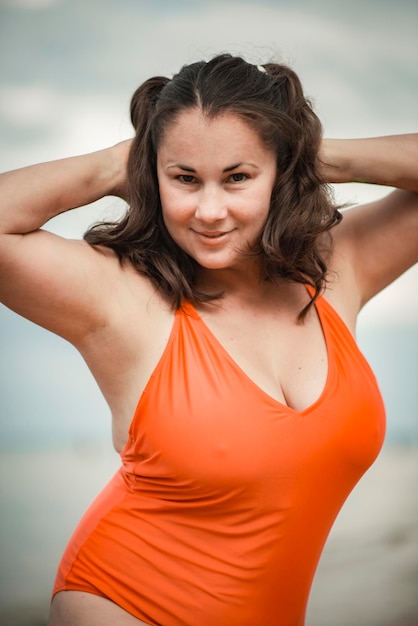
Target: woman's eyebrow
[187, 168]
[234, 167]
[181, 167]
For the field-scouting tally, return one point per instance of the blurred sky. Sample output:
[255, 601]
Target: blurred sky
[67, 72]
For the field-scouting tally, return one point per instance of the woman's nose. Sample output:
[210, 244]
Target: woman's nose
[210, 206]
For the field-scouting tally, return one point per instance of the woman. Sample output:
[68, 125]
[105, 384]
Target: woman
[220, 313]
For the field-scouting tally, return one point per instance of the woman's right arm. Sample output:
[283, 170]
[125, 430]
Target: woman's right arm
[57, 283]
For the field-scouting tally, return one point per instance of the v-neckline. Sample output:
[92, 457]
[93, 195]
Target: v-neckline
[189, 308]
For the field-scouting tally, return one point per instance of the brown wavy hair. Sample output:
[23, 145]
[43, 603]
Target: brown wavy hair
[270, 99]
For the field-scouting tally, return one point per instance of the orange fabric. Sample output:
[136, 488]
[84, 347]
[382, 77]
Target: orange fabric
[225, 497]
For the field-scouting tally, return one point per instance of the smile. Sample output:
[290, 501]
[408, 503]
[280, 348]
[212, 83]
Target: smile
[211, 237]
[211, 234]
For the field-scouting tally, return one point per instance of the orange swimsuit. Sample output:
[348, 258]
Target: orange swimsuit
[225, 497]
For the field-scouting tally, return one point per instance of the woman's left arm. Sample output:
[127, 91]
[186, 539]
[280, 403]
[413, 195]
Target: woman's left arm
[379, 240]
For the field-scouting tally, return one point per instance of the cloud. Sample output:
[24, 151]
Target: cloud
[394, 306]
[42, 122]
[30, 4]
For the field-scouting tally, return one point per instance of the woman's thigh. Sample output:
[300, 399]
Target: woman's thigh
[77, 608]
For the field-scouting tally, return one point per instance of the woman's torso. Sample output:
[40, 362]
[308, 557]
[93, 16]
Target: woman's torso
[285, 358]
[228, 494]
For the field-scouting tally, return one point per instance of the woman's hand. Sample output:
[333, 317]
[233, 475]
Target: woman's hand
[120, 154]
[32, 195]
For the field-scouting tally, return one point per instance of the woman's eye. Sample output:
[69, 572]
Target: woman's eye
[186, 178]
[238, 178]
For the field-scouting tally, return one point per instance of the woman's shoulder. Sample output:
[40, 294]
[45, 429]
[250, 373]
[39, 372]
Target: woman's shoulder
[120, 303]
[341, 289]
[120, 273]
[128, 290]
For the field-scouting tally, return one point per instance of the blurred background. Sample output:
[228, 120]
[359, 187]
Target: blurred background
[67, 71]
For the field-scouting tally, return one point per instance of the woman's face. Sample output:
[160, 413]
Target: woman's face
[215, 178]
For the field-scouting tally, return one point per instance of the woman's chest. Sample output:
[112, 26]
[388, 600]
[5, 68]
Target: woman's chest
[286, 359]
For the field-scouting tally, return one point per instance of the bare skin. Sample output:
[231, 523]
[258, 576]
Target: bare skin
[76, 608]
[65, 285]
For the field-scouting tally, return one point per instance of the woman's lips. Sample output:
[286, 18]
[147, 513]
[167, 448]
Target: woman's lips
[211, 237]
